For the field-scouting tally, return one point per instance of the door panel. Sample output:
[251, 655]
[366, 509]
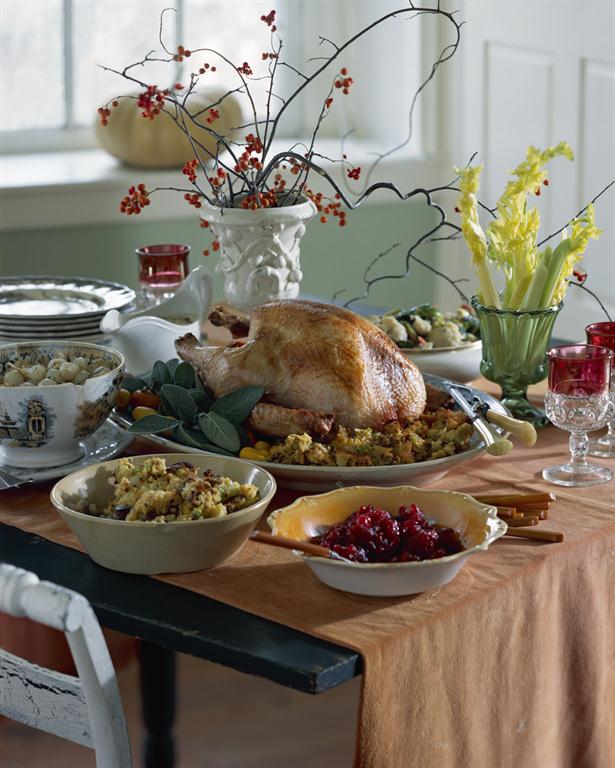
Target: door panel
[536, 73]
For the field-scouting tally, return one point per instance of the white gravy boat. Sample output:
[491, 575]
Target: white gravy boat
[149, 335]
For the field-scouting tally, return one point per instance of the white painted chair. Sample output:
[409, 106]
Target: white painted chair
[86, 709]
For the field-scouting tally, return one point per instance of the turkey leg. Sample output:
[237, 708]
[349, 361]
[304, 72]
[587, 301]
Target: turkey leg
[238, 326]
[278, 421]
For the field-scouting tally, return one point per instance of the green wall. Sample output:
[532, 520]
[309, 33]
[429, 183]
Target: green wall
[332, 257]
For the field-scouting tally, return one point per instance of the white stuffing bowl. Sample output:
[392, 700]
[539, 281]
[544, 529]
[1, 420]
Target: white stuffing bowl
[43, 426]
[477, 525]
[460, 364]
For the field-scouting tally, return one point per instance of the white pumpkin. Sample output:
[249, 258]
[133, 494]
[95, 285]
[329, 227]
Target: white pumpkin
[160, 143]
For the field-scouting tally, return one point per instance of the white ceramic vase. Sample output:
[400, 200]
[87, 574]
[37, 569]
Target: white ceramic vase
[259, 251]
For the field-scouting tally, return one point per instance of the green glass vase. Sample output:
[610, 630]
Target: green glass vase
[515, 344]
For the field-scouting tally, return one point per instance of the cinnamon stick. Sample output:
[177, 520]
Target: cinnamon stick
[533, 507]
[506, 512]
[539, 534]
[515, 499]
[519, 522]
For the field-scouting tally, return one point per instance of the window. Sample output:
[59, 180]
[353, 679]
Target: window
[51, 52]
[59, 45]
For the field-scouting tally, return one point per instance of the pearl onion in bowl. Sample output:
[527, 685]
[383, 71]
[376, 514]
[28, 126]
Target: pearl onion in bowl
[53, 394]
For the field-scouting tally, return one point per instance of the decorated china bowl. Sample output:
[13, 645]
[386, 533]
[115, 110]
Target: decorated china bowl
[44, 414]
[476, 524]
[160, 547]
[460, 363]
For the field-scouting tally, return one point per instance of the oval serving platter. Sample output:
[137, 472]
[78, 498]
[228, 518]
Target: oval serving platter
[317, 479]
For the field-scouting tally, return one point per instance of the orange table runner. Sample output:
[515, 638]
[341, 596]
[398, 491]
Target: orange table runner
[512, 664]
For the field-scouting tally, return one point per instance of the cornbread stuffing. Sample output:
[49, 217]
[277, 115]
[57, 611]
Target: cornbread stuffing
[434, 435]
[154, 492]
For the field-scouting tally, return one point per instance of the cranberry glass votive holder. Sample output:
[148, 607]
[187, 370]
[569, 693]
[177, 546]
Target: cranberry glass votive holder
[578, 400]
[603, 335]
[162, 269]
[580, 370]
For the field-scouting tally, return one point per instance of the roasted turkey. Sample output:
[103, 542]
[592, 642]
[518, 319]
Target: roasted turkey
[319, 365]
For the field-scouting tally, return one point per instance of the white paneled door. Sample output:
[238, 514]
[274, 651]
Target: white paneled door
[537, 72]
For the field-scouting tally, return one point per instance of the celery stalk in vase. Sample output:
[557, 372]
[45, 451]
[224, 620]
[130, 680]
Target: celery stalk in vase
[533, 279]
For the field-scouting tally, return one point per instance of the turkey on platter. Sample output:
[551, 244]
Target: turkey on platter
[320, 365]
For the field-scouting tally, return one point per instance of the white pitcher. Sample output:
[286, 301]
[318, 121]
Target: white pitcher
[149, 335]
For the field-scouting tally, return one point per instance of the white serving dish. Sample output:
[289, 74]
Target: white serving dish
[43, 426]
[457, 363]
[149, 547]
[478, 525]
[316, 479]
[149, 334]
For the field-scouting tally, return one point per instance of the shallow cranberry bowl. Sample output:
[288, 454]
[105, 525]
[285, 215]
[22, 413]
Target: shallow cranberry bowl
[477, 525]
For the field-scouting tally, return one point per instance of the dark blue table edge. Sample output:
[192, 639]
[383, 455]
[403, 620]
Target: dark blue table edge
[184, 621]
[284, 655]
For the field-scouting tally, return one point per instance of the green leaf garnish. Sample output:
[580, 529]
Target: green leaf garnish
[179, 402]
[196, 439]
[172, 365]
[161, 375]
[184, 376]
[220, 431]
[201, 399]
[152, 425]
[237, 406]
[133, 383]
[183, 436]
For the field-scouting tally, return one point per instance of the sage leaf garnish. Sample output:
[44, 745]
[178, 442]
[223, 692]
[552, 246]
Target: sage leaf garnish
[179, 402]
[237, 406]
[172, 365]
[184, 376]
[220, 431]
[133, 383]
[201, 400]
[196, 436]
[161, 375]
[152, 425]
[190, 412]
[183, 436]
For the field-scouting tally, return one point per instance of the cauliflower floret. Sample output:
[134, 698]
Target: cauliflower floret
[393, 328]
[447, 335]
[420, 325]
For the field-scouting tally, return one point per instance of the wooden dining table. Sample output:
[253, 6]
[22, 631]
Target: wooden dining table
[168, 619]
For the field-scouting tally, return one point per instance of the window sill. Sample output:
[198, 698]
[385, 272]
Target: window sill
[83, 188]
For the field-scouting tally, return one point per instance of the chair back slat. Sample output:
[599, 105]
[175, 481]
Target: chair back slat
[43, 699]
[86, 709]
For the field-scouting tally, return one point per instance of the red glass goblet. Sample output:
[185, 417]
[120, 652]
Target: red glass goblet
[603, 335]
[162, 268]
[578, 400]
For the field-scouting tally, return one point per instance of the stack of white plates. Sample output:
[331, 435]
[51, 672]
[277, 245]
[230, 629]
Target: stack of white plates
[68, 308]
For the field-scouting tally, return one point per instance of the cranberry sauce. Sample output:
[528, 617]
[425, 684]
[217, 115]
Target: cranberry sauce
[373, 535]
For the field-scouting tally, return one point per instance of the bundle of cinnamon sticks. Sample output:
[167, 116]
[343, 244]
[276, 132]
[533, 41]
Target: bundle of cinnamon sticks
[522, 512]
